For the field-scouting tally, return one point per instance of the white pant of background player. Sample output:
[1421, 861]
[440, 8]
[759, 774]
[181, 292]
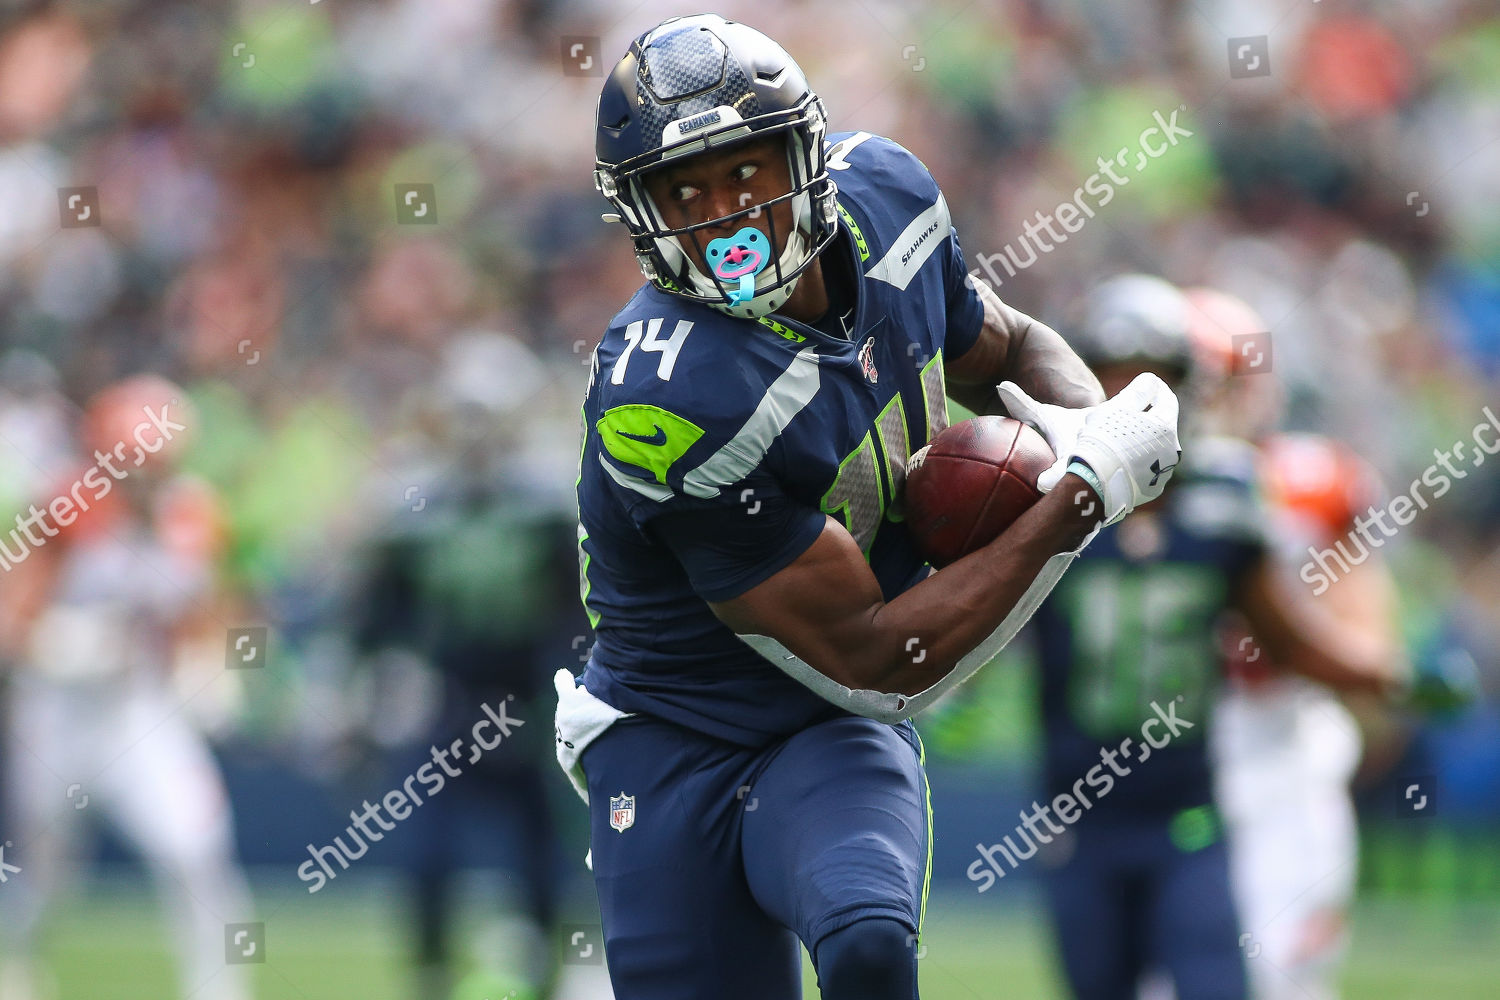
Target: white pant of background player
[123, 738]
[1285, 751]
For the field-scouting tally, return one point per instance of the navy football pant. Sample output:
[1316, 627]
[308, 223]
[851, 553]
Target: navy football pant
[1128, 900]
[731, 855]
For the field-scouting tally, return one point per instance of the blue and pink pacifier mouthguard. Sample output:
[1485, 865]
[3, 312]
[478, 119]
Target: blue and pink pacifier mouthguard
[738, 259]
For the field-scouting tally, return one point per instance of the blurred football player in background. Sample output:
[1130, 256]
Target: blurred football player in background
[466, 605]
[103, 593]
[1129, 651]
[1285, 748]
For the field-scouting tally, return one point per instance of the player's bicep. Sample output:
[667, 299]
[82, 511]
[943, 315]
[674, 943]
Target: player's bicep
[819, 606]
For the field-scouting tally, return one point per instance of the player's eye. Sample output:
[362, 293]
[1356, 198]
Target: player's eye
[683, 192]
[745, 171]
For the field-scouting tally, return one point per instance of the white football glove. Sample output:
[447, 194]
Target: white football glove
[1129, 442]
[1058, 424]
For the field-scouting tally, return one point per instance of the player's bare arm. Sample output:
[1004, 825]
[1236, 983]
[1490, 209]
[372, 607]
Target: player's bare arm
[827, 606]
[1296, 631]
[1013, 346]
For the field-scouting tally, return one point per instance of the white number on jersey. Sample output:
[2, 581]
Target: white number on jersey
[667, 348]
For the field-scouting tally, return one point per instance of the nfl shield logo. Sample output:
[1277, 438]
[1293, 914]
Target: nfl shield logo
[621, 811]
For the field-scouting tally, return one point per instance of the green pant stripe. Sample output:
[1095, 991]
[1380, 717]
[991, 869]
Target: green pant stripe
[927, 873]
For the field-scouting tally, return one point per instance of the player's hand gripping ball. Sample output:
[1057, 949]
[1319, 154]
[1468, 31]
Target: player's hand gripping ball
[970, 483]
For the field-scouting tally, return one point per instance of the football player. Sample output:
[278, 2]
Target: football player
[764, 624]
[110, 602]
[1129, 650]
[1285, 748]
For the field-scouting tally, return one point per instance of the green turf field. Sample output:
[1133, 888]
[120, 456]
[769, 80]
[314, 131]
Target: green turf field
[107, 945]
[1400, 952]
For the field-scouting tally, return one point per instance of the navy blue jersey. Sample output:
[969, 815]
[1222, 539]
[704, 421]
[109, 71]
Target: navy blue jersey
[1136, 621]
[713, 448]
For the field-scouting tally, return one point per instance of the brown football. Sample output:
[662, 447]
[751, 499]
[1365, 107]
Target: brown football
[970, 483]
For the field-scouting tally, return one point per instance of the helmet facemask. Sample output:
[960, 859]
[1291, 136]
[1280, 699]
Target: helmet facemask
[660, 248]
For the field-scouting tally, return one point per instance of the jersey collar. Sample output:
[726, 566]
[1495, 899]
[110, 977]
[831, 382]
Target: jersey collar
[849, 247]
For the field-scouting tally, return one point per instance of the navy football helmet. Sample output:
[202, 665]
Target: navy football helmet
[697, 83]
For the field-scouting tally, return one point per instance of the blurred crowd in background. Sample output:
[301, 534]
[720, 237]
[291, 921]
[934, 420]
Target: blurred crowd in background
[362, 237]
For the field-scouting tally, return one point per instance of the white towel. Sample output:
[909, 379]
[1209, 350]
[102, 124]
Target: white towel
[581, 717]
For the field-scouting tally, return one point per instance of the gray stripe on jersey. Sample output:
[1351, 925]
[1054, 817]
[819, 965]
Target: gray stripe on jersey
[917, 241]
[651, 491]
[935, 395]
[785, 399]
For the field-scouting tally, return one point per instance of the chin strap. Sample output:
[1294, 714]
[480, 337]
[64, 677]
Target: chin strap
[891, 707]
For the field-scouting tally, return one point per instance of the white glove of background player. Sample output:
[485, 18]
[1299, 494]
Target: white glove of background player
[1129, 442]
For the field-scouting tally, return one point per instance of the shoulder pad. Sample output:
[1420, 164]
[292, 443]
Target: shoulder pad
[891, 203]
[878, 162]
[687, 402]
[1217, 457]
[1218, 493]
